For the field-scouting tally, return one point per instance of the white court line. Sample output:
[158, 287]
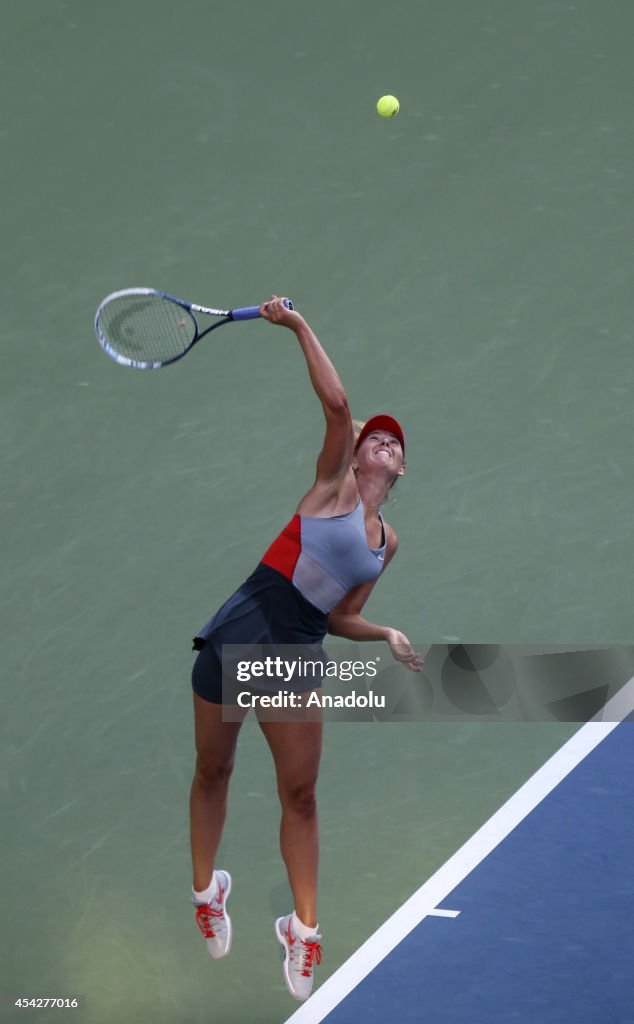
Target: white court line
[424, 902]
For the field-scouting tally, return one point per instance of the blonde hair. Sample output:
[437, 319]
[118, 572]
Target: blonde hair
[358, 427]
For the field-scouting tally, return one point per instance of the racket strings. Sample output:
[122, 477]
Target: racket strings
[147, 328]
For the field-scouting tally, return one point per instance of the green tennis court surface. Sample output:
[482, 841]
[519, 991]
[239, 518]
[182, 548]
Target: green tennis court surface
[466, 264]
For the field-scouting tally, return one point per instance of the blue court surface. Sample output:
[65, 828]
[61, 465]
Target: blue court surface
[532, 920]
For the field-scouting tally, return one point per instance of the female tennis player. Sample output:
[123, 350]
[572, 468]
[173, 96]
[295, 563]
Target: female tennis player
[314, 578]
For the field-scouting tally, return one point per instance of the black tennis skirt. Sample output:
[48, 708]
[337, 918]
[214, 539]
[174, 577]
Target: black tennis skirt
[266, 617]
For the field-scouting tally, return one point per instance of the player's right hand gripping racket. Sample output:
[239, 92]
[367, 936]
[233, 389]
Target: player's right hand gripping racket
[147, 329]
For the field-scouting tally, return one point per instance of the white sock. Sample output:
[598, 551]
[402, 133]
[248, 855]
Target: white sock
[207, 895]
[303, 930]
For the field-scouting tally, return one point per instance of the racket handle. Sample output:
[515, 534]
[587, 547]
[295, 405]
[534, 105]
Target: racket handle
[251, 312]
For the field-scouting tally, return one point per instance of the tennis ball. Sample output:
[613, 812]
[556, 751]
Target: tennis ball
[388, 106]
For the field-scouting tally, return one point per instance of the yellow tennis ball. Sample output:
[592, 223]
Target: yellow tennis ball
[388, 106]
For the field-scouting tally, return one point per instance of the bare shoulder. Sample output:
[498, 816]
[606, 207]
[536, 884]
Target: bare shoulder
[391, 541]
[327, 499]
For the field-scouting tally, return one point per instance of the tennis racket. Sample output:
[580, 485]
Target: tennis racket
[147, 329]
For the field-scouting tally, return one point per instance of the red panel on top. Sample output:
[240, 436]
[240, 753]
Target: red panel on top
[285, 549]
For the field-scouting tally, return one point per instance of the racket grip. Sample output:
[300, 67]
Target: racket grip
[251, 312]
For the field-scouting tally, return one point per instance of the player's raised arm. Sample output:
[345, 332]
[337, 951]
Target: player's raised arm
[334, 459]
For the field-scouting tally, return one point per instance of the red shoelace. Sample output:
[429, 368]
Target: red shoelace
[204, 913]
[312, 954]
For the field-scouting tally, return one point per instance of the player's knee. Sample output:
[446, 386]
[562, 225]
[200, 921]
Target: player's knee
[300, 799]
[211, 774]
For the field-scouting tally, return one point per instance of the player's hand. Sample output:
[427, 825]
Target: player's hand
[403, 651]
[276, 312]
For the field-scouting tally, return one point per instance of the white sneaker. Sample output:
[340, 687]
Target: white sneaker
[299, 957]
[213, 920]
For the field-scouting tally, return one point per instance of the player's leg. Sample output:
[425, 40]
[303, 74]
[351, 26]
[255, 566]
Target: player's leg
[216, 741]
[296, 749]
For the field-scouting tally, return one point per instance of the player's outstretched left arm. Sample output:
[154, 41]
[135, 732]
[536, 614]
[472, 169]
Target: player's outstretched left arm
[345, 619]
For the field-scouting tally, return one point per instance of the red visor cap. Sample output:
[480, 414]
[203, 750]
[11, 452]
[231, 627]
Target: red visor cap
[382, 422]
